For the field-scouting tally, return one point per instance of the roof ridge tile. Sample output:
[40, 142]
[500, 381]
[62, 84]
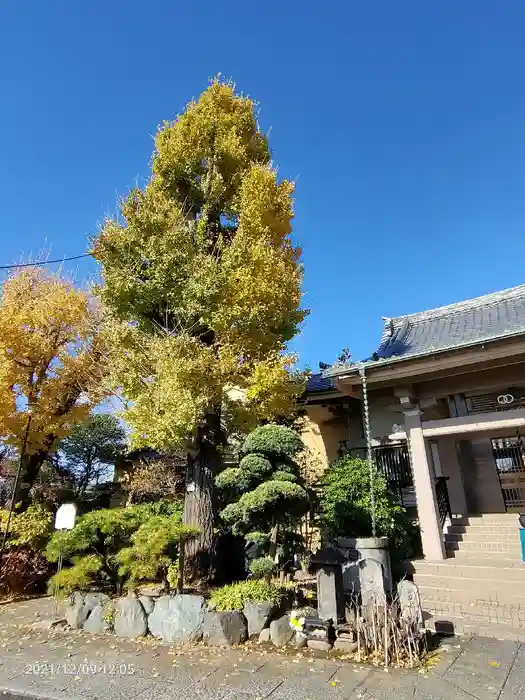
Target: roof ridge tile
[459, 307]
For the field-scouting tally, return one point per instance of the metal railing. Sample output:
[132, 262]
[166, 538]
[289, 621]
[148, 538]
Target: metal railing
[443, 501]
[392, 461]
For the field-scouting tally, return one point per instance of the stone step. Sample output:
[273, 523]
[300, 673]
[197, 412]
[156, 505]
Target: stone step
[485, 549]
[480, 533]
[510, 598]
[484, 538]
[486, 522]
[473, 557]
[492, 613]
[507, 519]
[473, 568]
[455, 624]
[495, 536]
[500, 587]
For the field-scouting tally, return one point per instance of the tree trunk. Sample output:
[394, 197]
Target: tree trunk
[274, 534]
[180, 578]
[199, 505]
[30, 469]
[273, 541]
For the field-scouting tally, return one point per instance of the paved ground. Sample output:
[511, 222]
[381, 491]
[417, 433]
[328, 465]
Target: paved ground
[75, 666]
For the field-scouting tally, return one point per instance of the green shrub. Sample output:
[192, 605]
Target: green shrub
[233, 597]
[260, 539]
[24, 569]
[105, 547]
[154, 548]
[255, 465]
[78, 577]
[109, 612]
[262, 567]
[270, 500]
[172, 575]
[346, 507]
[31, 528]
[233, 479]
[273, 440]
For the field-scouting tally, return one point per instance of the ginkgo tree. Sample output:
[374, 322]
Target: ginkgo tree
[203, 284]
[52, 365]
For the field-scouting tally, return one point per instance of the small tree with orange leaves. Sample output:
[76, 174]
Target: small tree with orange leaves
[51, 365]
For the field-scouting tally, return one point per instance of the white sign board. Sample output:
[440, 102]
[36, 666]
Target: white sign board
[66, 516]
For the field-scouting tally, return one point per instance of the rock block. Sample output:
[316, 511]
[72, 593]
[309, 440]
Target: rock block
[299, 641]
[79, 605]
[148, 603]
[257, 615]
[345, 645]
[280, 631]
[178, 619]
[95, 623]
[224, 628]
[264, 635]
[319, 645]
[130, 620]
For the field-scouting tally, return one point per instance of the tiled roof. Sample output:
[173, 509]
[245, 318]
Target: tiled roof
[318, 383]
[466, 323]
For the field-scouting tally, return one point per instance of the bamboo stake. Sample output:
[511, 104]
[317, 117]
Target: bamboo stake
[374, 630]
[395, 644]
[409, 649]
[386, 637]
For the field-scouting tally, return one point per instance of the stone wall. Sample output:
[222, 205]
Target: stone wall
[176, 619]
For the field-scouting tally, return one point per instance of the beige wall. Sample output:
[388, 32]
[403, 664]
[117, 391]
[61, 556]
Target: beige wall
[481, 479]
[382, 421]
[321, 436]
[322, 433]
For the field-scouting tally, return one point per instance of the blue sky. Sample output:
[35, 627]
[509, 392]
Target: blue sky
[402, 122]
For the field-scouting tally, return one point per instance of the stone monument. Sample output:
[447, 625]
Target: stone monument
[371, 579]
[320, 630]
[327, 565]
[410, 603]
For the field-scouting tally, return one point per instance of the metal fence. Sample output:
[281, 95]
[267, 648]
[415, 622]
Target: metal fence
[392, 461]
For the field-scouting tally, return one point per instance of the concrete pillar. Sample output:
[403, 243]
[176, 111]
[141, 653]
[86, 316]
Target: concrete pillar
[431, 532]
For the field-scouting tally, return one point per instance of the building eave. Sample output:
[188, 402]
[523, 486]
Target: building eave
[348, 371]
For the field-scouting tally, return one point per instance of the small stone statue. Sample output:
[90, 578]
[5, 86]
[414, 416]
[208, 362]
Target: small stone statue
[371, 578]
[410, 603]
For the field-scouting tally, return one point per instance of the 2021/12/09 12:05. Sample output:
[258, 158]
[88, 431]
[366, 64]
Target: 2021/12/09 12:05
[85, 668]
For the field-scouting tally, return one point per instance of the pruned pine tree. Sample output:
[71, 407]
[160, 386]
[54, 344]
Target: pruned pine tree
[267, 492]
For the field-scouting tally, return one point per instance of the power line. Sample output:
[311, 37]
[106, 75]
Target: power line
[45, 262]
